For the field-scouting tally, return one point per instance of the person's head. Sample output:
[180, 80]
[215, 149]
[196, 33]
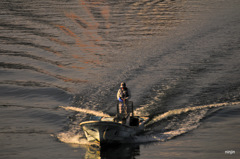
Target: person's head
[123, 85]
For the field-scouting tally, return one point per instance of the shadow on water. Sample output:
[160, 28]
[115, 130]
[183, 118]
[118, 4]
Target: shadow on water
[122, 151]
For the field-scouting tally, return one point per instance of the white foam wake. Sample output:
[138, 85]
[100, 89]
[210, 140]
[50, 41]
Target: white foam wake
[185, 110]
[87, 111]
[174, 127]
[72, 138]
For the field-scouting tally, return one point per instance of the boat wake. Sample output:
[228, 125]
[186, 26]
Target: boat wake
[161, 127]
[188, 109]
[87, 111]
[176, 122]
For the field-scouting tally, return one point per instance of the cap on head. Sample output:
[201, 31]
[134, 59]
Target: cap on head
[123, 84]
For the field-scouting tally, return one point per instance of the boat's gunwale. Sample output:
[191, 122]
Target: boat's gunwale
[112, 122]
[105, 122]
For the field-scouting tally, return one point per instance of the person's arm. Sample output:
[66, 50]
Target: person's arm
[118, 96]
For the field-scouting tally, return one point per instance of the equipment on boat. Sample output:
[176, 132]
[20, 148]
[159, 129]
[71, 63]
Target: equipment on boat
[119, 129]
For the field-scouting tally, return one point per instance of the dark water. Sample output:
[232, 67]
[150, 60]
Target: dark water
[179, 58]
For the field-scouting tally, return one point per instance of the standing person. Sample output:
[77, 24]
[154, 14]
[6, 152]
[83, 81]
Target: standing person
[123, 96]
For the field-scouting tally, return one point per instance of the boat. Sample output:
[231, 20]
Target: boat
[121, 128]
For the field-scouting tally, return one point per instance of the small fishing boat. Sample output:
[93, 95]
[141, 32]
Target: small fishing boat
[121, 128]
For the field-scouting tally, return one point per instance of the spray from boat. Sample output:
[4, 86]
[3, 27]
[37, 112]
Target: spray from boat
[87, 111]
[159, 128]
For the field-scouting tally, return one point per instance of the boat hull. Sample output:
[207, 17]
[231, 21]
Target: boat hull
[106, 132]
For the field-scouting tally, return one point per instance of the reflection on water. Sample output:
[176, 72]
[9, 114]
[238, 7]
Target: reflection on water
[122, 151]
[84, 31]
[115, 23]
[68, 42]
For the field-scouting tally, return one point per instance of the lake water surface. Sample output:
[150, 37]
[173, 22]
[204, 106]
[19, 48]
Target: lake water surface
[180, 58]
